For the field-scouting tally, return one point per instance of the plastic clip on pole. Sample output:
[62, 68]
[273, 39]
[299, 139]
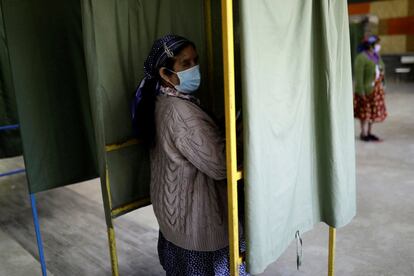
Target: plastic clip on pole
[299, 252]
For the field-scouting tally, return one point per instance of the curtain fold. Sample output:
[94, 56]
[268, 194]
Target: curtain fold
[10, 142]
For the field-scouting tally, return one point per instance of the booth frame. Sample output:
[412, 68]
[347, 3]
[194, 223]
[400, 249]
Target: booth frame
[233, 175]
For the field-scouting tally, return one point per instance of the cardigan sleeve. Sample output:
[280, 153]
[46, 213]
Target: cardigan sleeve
[199, 140]
[359, 74]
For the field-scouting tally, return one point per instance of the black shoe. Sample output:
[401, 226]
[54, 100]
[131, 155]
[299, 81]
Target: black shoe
[364, 138]
[373, 138]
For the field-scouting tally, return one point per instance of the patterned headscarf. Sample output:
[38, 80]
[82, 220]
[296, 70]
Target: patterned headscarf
[368, 42]
[162, 49]
[373, 39]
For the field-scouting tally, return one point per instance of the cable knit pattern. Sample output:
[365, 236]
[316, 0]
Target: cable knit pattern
[188, 172]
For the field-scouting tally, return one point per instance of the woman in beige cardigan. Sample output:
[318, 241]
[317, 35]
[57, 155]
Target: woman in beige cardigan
[188, 163]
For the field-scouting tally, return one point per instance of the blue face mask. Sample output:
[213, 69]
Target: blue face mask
[189, 80]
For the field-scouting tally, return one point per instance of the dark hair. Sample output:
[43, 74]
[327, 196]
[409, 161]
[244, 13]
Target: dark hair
[145, 122]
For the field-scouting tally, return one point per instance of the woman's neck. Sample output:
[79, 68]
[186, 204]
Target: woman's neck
[171, 91]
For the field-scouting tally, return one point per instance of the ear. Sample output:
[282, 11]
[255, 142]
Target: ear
[164, 76]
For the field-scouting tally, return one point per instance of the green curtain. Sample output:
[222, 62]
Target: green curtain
[298, 122]
[118, 36]
[10, 143]
[76, 65]
[356, 33]
[44, 39]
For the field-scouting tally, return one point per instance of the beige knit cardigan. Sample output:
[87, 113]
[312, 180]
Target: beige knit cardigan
[188, 169]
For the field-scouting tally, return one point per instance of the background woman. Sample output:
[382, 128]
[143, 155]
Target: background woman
[369, 104]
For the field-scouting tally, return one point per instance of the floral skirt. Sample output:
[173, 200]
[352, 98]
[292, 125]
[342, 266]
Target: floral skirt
[371, 107]
[178, 261]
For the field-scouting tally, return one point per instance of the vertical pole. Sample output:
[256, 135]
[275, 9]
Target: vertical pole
[38, 236]
[112, 251]
[230, 111]
[331, 261]
[110, 226]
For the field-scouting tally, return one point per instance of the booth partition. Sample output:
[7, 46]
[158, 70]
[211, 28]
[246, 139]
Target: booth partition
[75, 66]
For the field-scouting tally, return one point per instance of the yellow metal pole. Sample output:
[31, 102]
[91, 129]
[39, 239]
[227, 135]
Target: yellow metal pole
[331, 261]
[113, 147]
[229, 91]
[112, 251]
[116, 212]
[110, 227]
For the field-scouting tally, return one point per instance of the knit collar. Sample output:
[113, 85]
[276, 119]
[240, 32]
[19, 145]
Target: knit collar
[169, 91]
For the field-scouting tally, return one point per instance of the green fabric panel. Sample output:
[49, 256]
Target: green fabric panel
[298, 122]
[48, 69]
[356, 31]
[118, 36]
[215, 98]
[215, 93]
[10, 143]
[129, 182]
